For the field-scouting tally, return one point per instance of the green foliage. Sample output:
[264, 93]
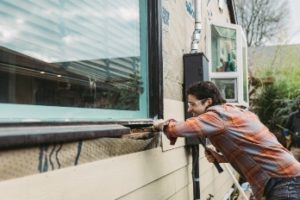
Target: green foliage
[283, 66]
[285, 84]
[274, 102]
[273, 105]
[267, 102]
[276, 75]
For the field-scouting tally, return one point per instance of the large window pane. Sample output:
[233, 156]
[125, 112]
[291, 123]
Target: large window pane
[223, 44]
[74, 53]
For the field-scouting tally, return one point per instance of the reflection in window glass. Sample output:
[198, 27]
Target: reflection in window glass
[228, 88]
[73, 53]
[223, 44]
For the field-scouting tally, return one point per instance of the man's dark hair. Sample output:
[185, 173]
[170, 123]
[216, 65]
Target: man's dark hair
[206, 89]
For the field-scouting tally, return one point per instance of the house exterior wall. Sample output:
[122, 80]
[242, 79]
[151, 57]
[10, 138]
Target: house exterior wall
[159, 173]
[150, 174]
[178, 27]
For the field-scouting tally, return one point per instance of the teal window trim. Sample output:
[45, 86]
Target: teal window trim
[37, 113]
[144, 98]
[33, 113]
[16, 131]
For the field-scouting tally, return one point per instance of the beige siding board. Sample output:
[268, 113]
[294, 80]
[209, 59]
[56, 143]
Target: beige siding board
[184, 194]
[217, 184]
[105, 179]
[211, 182]
[171, 106]
[218, 190]
[152, 174]
[223, 188]
[169, 185]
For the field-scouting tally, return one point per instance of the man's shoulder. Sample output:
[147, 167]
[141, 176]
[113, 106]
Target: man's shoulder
[222, 108]
[216, 108]
[230, 110]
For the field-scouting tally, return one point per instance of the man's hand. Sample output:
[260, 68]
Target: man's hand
[209, 156]
[213, 156]
[159, 124]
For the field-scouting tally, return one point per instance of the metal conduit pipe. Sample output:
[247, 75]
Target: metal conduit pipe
[198, 27]
[195, 148]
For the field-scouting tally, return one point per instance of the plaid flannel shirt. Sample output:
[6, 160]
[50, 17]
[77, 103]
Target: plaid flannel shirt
[244, 141]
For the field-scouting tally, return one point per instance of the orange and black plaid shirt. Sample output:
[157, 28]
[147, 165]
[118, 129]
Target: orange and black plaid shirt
[244, 141]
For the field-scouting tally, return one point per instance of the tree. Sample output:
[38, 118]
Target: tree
[262, 20]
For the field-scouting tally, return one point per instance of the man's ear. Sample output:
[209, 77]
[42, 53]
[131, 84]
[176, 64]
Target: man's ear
[209, 101]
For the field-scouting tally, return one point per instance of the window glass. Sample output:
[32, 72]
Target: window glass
[228, 88]
[223, 44]
[73, 59]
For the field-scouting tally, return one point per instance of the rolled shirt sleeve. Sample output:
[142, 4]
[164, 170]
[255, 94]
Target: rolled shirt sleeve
[205, 124]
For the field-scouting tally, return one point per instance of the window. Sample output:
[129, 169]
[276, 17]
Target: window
[227, 51]
[223, 42]
[73, 60]
[227, 88]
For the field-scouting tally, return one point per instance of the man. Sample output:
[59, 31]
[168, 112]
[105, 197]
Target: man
[292, 133]
[243, 141]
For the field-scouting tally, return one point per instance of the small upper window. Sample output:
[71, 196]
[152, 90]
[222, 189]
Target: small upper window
[227, 51]
[223, 44]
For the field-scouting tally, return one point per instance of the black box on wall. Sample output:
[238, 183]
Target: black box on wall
[195, 70]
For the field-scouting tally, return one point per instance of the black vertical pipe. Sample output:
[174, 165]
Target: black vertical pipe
[195, 172]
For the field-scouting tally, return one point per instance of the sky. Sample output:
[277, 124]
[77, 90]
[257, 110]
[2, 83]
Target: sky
[294, 22]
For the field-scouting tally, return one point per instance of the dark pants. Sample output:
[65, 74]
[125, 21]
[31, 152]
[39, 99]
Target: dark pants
[284, 189]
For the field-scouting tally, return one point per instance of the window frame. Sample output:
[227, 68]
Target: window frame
[232, 81]
[155, 60]
[238, 74]
[19, 137]
[153, 103]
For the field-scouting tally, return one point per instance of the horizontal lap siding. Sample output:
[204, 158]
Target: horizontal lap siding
[151, 174]
[105, 179]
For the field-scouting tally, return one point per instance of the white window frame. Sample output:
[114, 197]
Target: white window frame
[238, 74]
[229, 81]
